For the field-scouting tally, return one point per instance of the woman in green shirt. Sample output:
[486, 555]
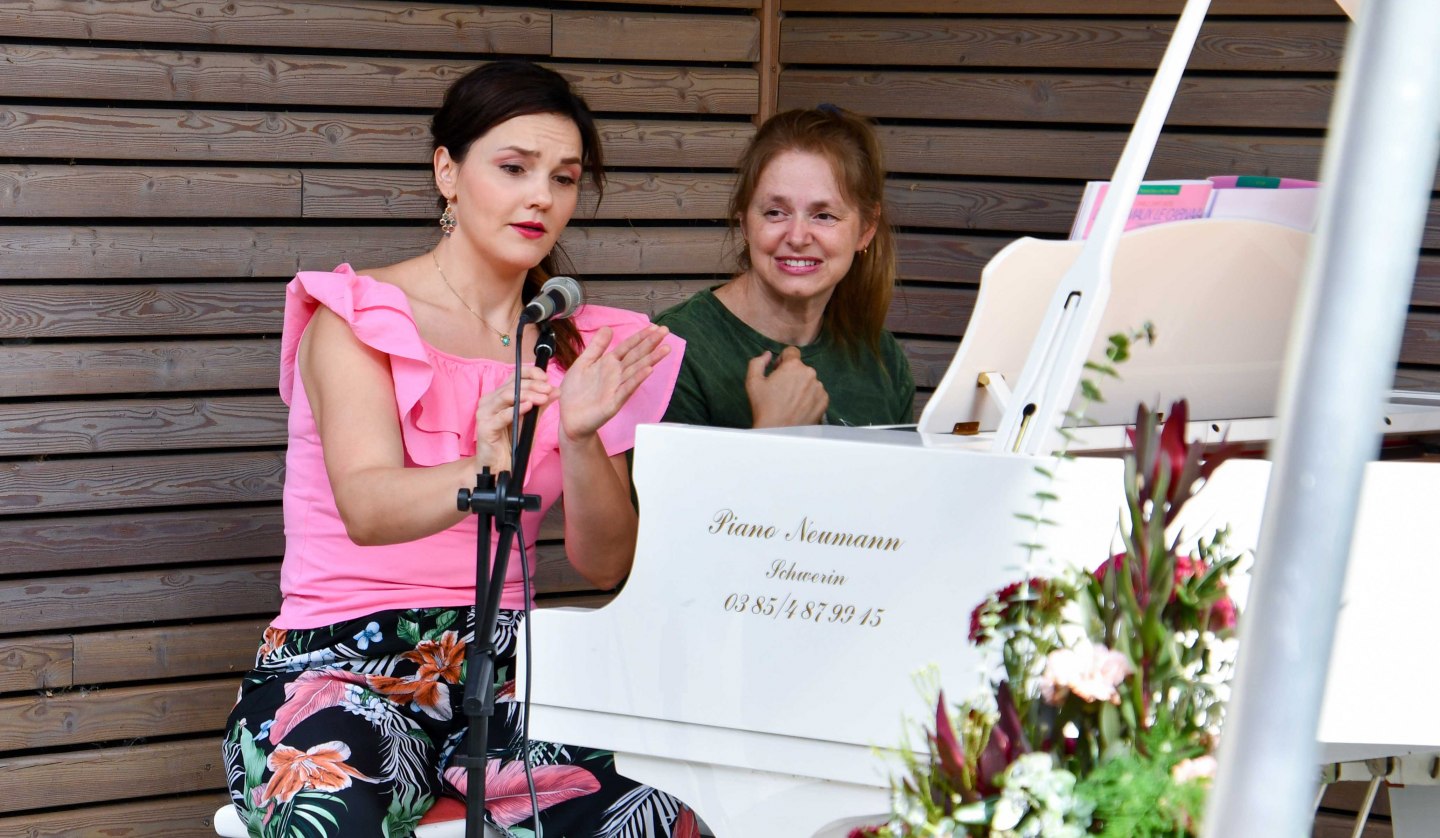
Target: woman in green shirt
[797, 336]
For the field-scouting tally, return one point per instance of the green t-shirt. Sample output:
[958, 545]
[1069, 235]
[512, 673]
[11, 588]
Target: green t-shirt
[863, 389]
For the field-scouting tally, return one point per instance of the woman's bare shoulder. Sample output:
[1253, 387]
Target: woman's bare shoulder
[400, 274]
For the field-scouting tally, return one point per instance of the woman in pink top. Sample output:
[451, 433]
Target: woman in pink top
[400, 383]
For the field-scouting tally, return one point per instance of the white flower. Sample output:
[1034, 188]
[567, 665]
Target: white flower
[1090, 670]
[1199, 768]
[1009, 811]
[1038, 800]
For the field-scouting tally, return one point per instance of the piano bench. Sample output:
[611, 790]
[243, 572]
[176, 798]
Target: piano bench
[446, 819]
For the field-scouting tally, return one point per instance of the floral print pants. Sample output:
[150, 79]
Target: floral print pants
[353, 729]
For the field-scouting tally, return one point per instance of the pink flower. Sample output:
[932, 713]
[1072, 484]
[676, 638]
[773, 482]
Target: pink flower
[1198, 768]
[1090, 671]
[1222, 614]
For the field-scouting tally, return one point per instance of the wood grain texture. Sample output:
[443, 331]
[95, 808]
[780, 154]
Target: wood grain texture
[40, 546]
[640, 196]
[196, 252]
[1089, 43]
[74, 717]
[93, 775]
[575, 600]
[646, 250]
[173, 816]
[1420, 341]
[627, 36]
[336, 81]
[657, 143]
[48, 604]
[647, 296]
[1232, 102]
[57, 191]
[931, 257]
[350, 24]
[1171, 8]
[929, 359]
[554, 573]
[1342, 825]
[1350, 797]
[139, 367]
[1090, 154]
[932, 310]
[1412, 378]
[74, 311]
[167, 652]
[211, 135]
[111, 311]
[704, 4]
[223, 136]
[36, 663]
[1426, 290]
[982, 205]
[95, 427]
[46, 486]
[132, 252]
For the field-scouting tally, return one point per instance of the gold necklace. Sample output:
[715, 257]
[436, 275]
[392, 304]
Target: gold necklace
[504, 336]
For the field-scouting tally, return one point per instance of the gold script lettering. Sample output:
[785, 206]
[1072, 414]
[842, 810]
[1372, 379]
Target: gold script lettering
[806, 533]
[779, 570]
[727, 523]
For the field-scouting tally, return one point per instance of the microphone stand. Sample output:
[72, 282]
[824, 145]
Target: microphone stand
[495, 496]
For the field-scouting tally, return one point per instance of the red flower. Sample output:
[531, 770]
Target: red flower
[1007, 743]
[1188, 566]
[1173, 448]
[1003, 603]
[947, 746]
[1163, 448]
[1119, 562]
[1222, 612]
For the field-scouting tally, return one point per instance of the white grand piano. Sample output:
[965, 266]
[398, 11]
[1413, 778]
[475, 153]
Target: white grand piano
[788, 585]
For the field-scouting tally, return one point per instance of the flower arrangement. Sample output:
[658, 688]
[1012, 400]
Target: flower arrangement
[1105, 715]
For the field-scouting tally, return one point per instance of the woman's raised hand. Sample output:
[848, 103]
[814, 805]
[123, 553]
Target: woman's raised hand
[599, 383]
[791, 394]
[493, 415]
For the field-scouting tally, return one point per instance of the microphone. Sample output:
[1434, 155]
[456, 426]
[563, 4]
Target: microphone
[558, 299]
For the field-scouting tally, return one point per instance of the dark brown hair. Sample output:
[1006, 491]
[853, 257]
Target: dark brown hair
[855, 315]
[502, 90]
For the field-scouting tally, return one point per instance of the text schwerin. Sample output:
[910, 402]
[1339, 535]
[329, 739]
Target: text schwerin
[726, 522]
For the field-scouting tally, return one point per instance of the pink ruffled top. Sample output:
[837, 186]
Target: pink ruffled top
[326, 578]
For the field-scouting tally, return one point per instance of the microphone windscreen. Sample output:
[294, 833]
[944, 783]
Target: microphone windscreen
[570, 295]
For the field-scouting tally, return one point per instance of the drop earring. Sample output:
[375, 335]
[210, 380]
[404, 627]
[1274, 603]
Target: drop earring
[447, 219]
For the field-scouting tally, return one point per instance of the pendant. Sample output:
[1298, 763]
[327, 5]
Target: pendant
[504, 340]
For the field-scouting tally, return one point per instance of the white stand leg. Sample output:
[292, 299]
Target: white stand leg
[1415, 811]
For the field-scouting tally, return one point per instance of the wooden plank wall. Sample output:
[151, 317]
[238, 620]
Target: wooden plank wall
[165, 167]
